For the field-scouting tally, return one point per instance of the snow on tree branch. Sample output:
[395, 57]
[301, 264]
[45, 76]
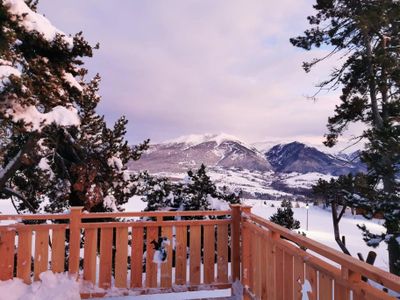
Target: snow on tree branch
[33, 21]
[6, 71]
[34, 120]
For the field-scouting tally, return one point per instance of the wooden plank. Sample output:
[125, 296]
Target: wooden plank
[7, 246]
[325, 286]
[288, 268]
[74, 240]
[195, 245]
[298, 277]
[151, 266]
[279, 281]
[341, 292]
[209, 254]
[235, 242]
[121, 258]
[137, 257]
[271, 249]
[253, 273]
[106, 242]
[257, 263]
[58, 250]
[265, 267]
[246, 255]
[166, 267]
[180, 257]
[311, 276]
[222, 253]
[41, 253]
[90, 255]
[24, 256]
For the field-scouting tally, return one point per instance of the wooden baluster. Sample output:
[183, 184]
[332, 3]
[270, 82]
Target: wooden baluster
[74, 239]
[106, 243]
[166, 267]
[151, 264]
[195, 259]
[137, 257]
[235, 242]
[58, 250]
[325, 286]
[90, 255]
[311, 276]
[222, 253]
[181, 255]
[24, 256]
[209, 254]
[7, 245]
[246, 251]
[298, 277]
[280, 278]
[288, 267]
[121, 257]
[41, 252]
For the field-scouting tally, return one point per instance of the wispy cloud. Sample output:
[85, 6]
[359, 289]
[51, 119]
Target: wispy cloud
[178, 67]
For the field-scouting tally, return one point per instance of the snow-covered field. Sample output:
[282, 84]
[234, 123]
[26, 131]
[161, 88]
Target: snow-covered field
[320, 228]
[255, 183]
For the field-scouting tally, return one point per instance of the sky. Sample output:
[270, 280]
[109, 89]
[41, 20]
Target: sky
[178, 67]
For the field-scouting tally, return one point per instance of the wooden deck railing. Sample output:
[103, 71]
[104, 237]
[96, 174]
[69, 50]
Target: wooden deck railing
[116, 252]
[213, 252]
[280, 264]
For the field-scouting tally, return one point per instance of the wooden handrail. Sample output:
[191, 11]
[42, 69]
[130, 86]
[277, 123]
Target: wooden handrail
[389, 280]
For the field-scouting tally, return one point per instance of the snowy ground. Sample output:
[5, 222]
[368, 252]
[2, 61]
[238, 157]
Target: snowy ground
[257, 184]
[320, 228]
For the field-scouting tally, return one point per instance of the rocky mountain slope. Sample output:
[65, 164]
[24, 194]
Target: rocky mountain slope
[300, 158]
[190, 152]
[285, 170]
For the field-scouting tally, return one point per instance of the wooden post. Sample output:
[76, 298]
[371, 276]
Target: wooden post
[74, 239]
[246, 254]
[235, 242]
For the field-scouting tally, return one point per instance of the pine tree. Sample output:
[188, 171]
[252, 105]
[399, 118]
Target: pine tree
[56, 151]
[195, 192]
[365, 34]
[284, 216]
[158, 193]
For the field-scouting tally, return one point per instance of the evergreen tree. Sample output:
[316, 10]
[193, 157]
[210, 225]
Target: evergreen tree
[55, 150]
[196, 192]
[158, 193]
[284, 216]
[365, 34]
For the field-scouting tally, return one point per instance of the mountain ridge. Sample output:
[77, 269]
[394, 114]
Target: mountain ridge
[227, 151]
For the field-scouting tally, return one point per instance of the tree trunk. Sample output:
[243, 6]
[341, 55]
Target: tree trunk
[336, 231]
[393, 246]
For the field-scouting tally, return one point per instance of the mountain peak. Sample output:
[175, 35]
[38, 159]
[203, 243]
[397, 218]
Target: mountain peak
[197, 139]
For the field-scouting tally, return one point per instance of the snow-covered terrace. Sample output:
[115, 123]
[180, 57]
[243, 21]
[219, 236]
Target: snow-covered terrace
[235, 252]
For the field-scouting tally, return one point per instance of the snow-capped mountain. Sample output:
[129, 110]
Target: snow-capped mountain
[213, 150]
[285, 170]
[300, 158]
